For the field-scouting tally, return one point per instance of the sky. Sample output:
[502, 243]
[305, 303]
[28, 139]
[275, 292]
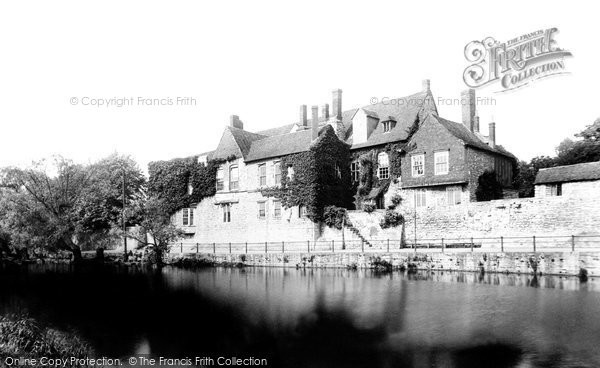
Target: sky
[261, 60]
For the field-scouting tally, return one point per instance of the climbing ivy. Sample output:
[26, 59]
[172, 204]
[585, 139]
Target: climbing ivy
[169, 180]
[321, 177]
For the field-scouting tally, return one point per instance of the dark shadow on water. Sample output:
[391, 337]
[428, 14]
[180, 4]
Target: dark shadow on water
[114, 309]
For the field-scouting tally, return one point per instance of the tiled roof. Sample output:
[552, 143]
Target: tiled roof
[461, 132]
[277, 131]
[561, 174]
[404, 111]
[280, 145]
[235, 142]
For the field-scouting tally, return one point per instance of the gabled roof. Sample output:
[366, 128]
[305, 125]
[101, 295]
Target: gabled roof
[562, 174]
[404, 111]
[461, 132]
[235, 142]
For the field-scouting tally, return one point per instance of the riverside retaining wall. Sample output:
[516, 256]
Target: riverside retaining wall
[551, 263]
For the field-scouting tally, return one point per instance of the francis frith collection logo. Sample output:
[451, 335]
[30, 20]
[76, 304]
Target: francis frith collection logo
[514, 63]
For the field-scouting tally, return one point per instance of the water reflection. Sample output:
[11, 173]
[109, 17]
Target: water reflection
[320, 317]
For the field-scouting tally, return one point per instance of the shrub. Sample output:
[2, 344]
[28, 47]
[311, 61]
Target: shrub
[488, 187]
[368, 207]
[396, 199]
[391, 219]
[335, 217]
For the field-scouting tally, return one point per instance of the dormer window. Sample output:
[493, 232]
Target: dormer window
[388, 126]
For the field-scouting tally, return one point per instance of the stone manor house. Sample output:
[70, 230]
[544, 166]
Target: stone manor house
[439, 161]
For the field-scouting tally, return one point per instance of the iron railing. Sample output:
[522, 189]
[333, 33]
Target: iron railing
[534, 243]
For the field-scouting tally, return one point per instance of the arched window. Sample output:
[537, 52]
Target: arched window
[383, 164]
[234, 177]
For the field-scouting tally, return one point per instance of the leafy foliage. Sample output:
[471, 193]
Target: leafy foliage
[335, 217]
[488, 187]
[568, 152]
[169, 181]
[60, 205]
[156, 231]
[368, 207]
[391, 219]
[321, 177]
[23, 336]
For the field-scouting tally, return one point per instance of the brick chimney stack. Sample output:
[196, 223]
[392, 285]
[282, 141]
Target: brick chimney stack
[337, 104]
[467, 99]
[325, 111]
[303, 116]
[426, 85]
[492, 135]
[315, 122]
[234, 121]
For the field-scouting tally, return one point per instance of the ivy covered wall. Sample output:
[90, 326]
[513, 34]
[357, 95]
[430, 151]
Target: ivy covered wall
[170, 180]
[321, 177]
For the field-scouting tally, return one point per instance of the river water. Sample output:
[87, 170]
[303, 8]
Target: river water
[318, 318]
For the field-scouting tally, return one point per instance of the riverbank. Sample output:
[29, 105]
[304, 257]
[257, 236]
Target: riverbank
[582, 264]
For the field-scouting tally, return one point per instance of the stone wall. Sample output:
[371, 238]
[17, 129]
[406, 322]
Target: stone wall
[556, 263]
[561, 216]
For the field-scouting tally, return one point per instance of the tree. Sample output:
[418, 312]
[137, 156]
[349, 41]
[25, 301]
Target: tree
[488, 187]
[591, 132]
[156, 231]
[60, 205]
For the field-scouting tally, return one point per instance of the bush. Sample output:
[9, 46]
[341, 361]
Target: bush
[368, 207]
[391, 219]
[488, 187]
[335, 217]
[396, 199]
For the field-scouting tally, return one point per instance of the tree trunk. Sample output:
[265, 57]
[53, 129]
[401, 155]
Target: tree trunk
[74, 248]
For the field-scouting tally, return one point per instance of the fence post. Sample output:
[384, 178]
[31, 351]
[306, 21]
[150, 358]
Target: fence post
[388, 245]
[362, 245]
[246, 247]
[442, 245]
[197, 247]
[502, 244]
[333, 246]
[572, 243]
[534, 243]
[308, 245]
[229, 247]
[214, 248]
[283, 247]
[471, 244]
[266, 249]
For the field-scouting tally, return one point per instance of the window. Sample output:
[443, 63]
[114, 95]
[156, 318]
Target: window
[277, 173]
[441, 162]
[383, 162]
[188, 217]
[554, 189]
[355, 171]
[417, 164]
[388, 125]
[454, 195]
[420, 198]
[234, 177]
[301, 211]
[220, 179]
[262, 175]
[277, 209]
[227, 212]
[290, 173]
[262, 210]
